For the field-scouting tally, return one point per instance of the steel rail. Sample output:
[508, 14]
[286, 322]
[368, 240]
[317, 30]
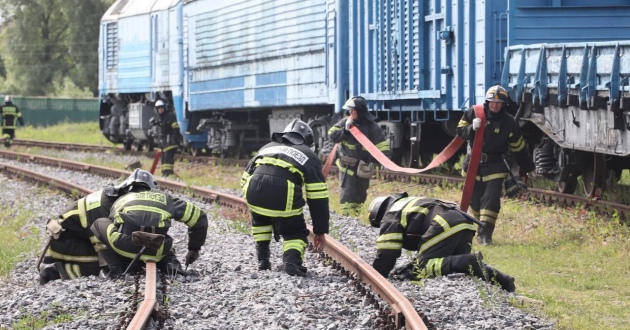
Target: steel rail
[150, 303]
[540, 195]
[403, 311]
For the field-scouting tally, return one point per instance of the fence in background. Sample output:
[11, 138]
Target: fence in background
[46, 111]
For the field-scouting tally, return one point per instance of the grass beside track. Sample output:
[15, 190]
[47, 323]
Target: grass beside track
[572, 265]
[18, 237]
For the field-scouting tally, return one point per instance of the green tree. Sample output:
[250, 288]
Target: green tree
[45, 42]
[83, 35]
[34, 45]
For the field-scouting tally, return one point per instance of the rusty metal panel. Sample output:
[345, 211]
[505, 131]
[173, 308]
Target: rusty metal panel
[572, 86]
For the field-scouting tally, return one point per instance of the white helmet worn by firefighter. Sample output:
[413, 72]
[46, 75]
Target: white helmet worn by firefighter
[496, 94]
[160, 103]
[8, 99]
[298, 132]
[138, 179]
[359, 103]
[379, 205]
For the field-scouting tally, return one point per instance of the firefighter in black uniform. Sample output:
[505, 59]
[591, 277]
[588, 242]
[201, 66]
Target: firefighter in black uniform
[10, 116]
[73, 251]
[148, 211]
[272, 186]
[440, 232]
[502, 134]
[356, 165]
[169, 136]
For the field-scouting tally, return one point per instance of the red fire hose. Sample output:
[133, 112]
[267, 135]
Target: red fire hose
[445, 155]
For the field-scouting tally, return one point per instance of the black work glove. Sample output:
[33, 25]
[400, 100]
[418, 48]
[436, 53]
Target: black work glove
[192, 256]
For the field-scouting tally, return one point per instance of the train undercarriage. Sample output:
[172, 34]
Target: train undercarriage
[578, 145]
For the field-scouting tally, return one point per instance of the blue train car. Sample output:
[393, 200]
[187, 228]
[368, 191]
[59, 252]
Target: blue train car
[252, 66]
[235, 71]
[140, 61]
[571, 81]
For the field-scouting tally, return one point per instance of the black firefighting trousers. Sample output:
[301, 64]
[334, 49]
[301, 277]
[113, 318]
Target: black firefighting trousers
[293, 231]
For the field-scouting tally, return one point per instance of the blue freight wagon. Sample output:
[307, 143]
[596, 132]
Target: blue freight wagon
[235, 71]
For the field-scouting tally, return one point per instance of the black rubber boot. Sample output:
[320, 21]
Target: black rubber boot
[470, 264]
[294, 270]
[264, 264]
[293, 263]
[115, 271]
[484, 234]
[262, 252]
[47, 273]
[504, 280]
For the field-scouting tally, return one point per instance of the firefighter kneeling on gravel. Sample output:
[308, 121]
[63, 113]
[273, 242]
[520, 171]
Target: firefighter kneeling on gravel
[73, 250]
[148, 211]
[440, 232]
[272, 185]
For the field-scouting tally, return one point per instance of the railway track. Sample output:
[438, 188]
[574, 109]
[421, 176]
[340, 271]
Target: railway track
[396, 313]
[543, 196]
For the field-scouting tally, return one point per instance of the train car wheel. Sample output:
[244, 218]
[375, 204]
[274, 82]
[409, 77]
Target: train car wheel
[594, 173]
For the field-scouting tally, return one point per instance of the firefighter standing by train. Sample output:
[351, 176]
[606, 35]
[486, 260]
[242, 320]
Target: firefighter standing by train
[11, 115]
[168, 136]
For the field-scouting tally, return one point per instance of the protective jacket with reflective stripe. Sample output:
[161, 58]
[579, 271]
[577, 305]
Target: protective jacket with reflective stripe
[76, 221]
[169, 130]
[10, 115]
[152, 212]
[416, 223]
[274, 179]
[502, 134]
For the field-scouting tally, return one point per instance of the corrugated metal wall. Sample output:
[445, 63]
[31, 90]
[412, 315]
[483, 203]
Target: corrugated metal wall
[434, 54]
[550, 21]
[257, 53]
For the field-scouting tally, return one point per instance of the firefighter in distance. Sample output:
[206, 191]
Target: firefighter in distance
[169, 136]
[11, 115]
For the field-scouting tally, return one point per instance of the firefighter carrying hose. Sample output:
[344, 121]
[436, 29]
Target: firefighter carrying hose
[73, 250]
[502, 134]
[142, 209]
[272, 185]
[355, 164]
[438, 230]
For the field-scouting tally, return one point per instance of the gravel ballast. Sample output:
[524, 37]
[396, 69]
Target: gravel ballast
[229, 292]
